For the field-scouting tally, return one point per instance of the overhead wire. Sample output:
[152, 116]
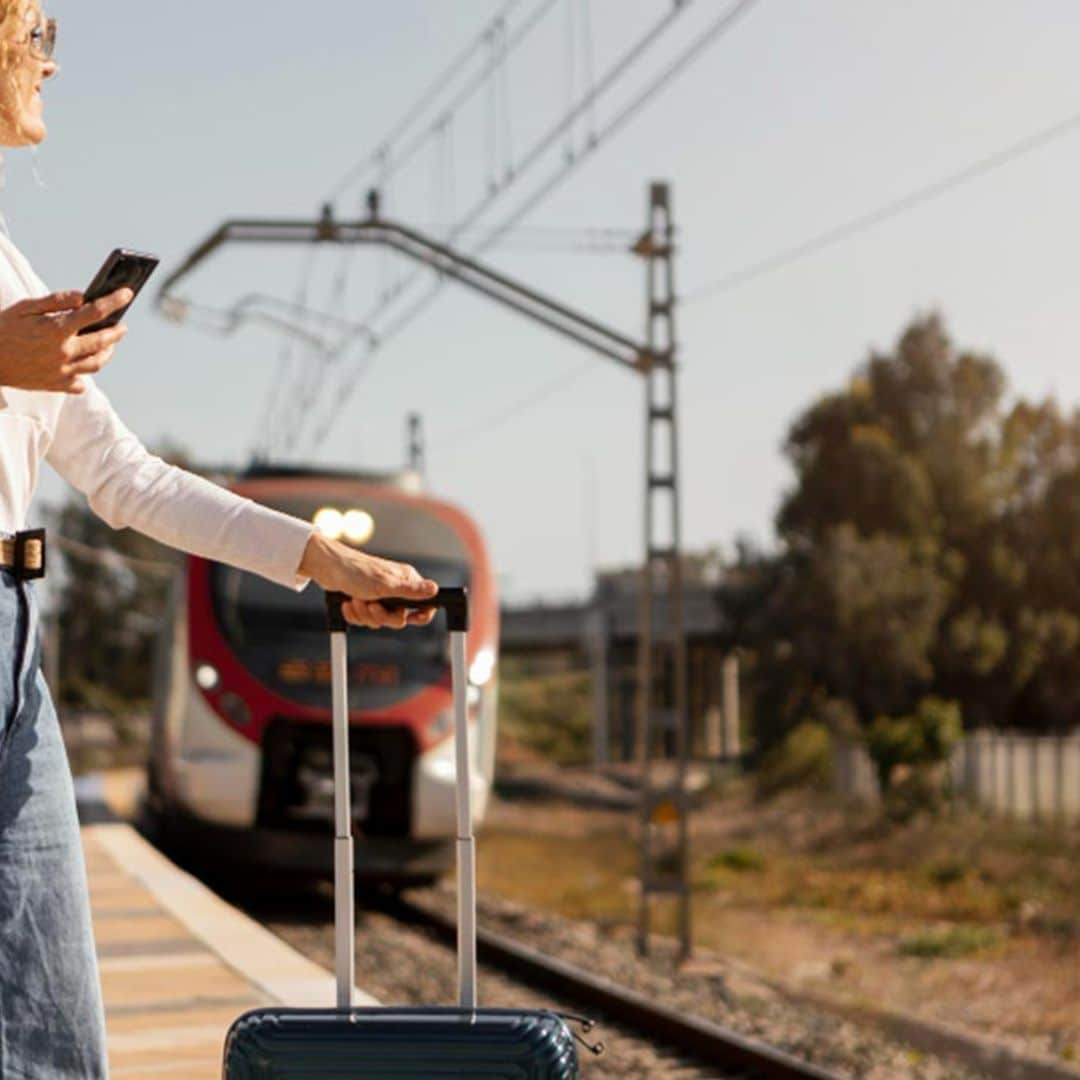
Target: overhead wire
[586, 8]
[548, 139]
[912, 200]
[492, 126]
[322, 356]
[505, 415]
[715, 29]
[388, 166]
[495, 190]
[887, 211]
[549, 389]
[272, 407]
[572, 114]
[569, 71]
[382, 162]
[720, 26]
[444, 79]
[595, 240]
[381, 159]
[609, 79]
[249, 308]
[395, 164]
[451, 171]
[539, 148]
[507, 125]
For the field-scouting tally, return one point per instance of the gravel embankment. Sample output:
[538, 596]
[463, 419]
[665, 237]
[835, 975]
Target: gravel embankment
[401, 965]
[716, 991]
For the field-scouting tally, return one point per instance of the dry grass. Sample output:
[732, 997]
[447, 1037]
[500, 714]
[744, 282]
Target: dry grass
[958, 869]
[965, 919]
[590, 879]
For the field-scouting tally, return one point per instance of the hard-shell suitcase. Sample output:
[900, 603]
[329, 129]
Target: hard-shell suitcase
[467, 1041]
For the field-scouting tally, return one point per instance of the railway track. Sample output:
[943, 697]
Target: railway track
[701, 1042]
[406, 955]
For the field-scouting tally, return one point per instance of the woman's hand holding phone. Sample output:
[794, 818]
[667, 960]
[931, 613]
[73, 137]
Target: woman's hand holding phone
[40, 343]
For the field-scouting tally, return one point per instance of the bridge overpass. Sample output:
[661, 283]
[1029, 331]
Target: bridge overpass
[601, 633]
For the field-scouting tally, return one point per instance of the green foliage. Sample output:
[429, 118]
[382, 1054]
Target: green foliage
[948, 872]
[109, 612]
[928, 552]
[949, 943]
[848, 618]
[550, 714]
[739, 859]
[802, 759]
[925, 738]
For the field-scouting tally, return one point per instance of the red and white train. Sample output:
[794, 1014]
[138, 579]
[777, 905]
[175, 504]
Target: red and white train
[240, 762]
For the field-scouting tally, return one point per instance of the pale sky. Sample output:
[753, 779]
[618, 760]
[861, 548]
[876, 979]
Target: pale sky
[168, 118]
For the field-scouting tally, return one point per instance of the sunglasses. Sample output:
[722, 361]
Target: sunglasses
[43, 40]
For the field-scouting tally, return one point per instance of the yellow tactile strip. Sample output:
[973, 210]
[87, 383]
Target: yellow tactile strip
[178, 964]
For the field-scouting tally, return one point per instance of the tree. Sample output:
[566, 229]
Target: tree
[930, 550]
[848, 619]
[109, 611]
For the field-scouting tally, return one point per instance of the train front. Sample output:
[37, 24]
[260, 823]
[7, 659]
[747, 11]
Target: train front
[241, 757]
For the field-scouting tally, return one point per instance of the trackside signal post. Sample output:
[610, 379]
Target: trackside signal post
[661, 712]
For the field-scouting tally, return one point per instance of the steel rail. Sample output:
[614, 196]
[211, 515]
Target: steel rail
[692, 1036]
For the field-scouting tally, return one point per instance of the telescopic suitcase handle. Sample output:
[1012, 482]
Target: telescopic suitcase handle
[456, 603]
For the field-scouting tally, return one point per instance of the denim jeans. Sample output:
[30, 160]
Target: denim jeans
[52, 1025]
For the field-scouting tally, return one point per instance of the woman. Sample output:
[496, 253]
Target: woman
[51, 1019]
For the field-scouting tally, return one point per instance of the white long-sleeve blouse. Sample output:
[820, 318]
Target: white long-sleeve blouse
[84, 440]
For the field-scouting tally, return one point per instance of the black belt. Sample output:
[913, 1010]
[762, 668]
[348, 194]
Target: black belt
[24, 554]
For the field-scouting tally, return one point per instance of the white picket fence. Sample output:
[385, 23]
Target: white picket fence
[1027, 777]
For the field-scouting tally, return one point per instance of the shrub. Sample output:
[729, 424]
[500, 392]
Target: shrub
[949, 943]
[802, 759]
[925, 738]
[739, 859]
[948, 872]
[551, 714]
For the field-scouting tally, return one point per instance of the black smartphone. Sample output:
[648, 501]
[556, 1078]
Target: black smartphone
[122, 268]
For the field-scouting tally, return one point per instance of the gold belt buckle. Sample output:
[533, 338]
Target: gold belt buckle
[29, 554]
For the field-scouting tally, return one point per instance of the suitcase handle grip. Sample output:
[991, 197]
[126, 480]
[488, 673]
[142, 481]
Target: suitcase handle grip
[455, 600]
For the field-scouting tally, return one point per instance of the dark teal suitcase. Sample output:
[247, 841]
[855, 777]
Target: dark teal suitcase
[428, 1043]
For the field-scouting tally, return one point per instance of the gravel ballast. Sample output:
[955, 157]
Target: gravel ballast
[402, 965]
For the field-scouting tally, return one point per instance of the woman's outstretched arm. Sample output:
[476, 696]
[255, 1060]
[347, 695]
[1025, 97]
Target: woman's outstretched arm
[127, 486]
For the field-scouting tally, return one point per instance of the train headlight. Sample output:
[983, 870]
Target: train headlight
[207, 677]
[483, 665]
[358, 526]
[330, 522]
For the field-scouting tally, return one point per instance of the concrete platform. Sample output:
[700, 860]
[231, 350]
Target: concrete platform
[178, 964]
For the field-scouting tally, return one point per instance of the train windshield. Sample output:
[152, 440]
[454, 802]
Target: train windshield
[281, 638]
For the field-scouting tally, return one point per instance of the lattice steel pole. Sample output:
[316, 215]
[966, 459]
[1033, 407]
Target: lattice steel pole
[415, 448]
[662, 641]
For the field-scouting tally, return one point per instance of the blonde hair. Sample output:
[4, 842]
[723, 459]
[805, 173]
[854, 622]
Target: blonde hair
[13, 42]
[11, 12]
